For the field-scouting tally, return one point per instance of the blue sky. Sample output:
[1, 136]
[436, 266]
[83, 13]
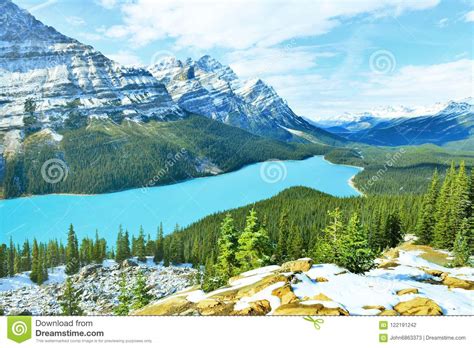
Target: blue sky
[324, 57]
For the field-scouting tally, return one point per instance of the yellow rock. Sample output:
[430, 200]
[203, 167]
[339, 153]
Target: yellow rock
[434, 272]
[453, 282]
[261, 307]
[388, 264]
[407, 291]
[321, 279]
[418, 306]
[320, 297]
[314, 309]
[300, 265]
[377, 307]
[285, 294]
[172, 306]
[389, 312]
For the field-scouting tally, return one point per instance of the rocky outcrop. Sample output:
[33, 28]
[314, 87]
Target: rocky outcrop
[418, 306]
[300, 265]
[407, 291]
[308, 309]
[454, 282]
[285, 294]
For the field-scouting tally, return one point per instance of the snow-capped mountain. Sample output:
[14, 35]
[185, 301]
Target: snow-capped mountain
[454, 121]
[58, 72]
[209, 88]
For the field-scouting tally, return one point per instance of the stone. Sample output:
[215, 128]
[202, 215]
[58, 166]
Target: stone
[128, 263]
[419, 306]
[454, 282]
[89, 270]
[433, 272]
[320, 297]
[388, 264]
[285, 294]
[389, 312]
[377, 307]
[211, 306]
[172, 306]
[312, 309]
[261, 307]
[321, 279]
[300, 265]
[407, 291]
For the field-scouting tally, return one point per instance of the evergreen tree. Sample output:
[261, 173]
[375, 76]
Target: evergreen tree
[210, 281]
[35, 263]
[72, 253]
[281, 253]
[356, 255]
[327, 245]
[393, 230]
[11, 258]
[443, 210]
[140, 292]
[426, 219]
[124, 298]
[253, 244]
[120, 254]
[296, 243]
[140, 246]
[69, 300]
[461, 250]
[158, 257]
[226, 248]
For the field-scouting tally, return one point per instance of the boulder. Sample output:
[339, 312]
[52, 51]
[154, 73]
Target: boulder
[250, 289]
[377, 307]
[407, 291]
[433, 272]
[285, 294]
[388, 264]
[212, 306]
[312, 309]
[419, 306]
[454, 282]
[128, 263]
[300, 265]
[320, 297]
[321, 279]
[389, 312]
[89, 270]
[172, 306]
[261, 307]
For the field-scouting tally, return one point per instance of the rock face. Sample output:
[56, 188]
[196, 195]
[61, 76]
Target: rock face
[208, 88]
[454, 282]
[418, 306]
[407, 291]
[310, 309]
[98, 289]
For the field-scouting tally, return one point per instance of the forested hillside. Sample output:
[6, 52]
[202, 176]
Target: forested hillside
[104, 156]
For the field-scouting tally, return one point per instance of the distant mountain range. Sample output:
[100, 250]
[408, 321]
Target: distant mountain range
[441, 124]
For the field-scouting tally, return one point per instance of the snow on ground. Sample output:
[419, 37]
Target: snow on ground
[265, 294]
[21, 280]
[380, 286]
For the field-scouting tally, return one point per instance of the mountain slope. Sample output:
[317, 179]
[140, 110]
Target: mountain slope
[211, 89]
[57, 72]
[106, 156]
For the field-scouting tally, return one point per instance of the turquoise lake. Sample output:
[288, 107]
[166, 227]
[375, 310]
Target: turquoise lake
[46, 217]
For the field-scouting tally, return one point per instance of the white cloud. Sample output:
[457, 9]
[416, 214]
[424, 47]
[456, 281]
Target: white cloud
[75, 21]
[241, 24]
[315, 96]
[108, 4]
[126, 58]
[260, 61]
[469, 17]
[443, 22]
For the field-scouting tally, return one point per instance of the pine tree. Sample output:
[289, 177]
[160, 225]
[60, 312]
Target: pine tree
[69, 300]
[226, 249]
[124, 298]
[11, 258]
[35, 265]
[356, 254]
[443, 210]
[120, 254]
[253, 244]
[140, 295]
[281, 253]
[393, 230]
[72, 253]
[462, 250]
[158, 257]
[140, 246]
[426, 219]
[327, 245]
[210, 281]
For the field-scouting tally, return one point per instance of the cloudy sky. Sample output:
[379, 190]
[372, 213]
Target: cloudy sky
[324, 57]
